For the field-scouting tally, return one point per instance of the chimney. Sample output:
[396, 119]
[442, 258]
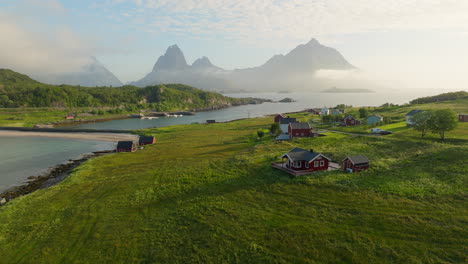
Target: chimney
[312, 150]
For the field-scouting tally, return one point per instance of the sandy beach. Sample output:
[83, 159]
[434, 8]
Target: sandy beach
[109, 137]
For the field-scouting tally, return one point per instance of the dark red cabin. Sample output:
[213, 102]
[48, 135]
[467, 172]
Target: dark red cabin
[304, 160]
[126, 146]
[299, 130]
[351, 121]
[463, 118]
[355, 163]
[278, 118]
[146, 140]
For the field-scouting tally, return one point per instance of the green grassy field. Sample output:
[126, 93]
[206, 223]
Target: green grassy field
[207, 194]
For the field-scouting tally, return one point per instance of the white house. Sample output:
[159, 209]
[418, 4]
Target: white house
[325, 111]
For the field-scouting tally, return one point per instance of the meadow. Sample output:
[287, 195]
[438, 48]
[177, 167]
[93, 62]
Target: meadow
[207, 194]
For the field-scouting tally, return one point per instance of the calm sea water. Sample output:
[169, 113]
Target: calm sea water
[303, 101]
[21, 157]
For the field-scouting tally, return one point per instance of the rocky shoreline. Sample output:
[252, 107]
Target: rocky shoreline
[53, 176]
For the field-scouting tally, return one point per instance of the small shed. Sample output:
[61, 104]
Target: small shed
[315, 111]
[146, 140]
[463, 117]
[278, 118]
[351, 121]
[126, 146]
[301, 129]
[210, 121]
[374, 119]
[355, 163]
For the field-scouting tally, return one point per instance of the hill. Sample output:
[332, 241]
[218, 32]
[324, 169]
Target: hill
[19, 90]
[440, 98]
[207, 194]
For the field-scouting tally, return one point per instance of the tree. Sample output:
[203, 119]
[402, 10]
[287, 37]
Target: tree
[260, 133]
[275, 129]
[421, 122]
[441, 121]
[363, 112]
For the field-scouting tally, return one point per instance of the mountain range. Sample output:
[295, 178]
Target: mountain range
[293, 71]
[297, 70]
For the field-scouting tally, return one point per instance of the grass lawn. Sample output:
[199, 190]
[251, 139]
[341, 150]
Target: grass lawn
[28, 117]
[207, 194]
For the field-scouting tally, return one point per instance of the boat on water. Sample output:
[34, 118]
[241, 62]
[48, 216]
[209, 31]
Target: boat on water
[149, 117]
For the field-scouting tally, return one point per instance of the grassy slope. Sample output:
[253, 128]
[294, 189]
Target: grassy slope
[206, 193]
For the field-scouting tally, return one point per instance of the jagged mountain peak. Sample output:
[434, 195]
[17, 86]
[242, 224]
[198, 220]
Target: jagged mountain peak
[202, 62]
[173, 59]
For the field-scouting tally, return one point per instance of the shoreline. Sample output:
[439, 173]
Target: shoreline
[51, 177]
[108, 137]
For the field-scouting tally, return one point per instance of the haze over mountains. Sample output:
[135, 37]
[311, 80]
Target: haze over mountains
[296, 70]
[308, 67]
[91, 74]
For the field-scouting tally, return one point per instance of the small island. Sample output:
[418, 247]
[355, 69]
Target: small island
[287, 100]
[347, 90]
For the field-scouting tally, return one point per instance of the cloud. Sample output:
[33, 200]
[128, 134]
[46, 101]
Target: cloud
[33, 47]
[297, 19]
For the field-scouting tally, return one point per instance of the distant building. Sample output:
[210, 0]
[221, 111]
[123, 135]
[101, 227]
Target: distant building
[301, 160]
[355, 163]
[410, 115]
[284, 124]
[463, 117]
[374, 119]
[278, 118]
[324, 111]
[126, 146]
[69, 117]
[351, 121]
[315, 111]
[302, 129]
[146, 140]
[336, 111]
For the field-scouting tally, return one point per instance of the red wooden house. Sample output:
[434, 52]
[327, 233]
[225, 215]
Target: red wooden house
[299, 130]
[146, 140]
[126, 146]
[278, 118]
[302, 160]
[69, 117]
[355, 163]
[351, 121]
[463, 117]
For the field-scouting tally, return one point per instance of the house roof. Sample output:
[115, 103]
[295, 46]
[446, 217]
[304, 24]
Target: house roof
[381, 117]
[288, 120]
[302, 125]
[358, 159]
[125, 144]
[280, 115]
[413, 112]
[299, 154]
[350, 116]
[146, 139]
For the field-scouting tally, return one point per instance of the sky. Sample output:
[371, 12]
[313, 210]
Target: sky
[416, 44]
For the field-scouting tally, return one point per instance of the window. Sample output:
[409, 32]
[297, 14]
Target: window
[322, 163]
[307, 165]
[316, 163]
